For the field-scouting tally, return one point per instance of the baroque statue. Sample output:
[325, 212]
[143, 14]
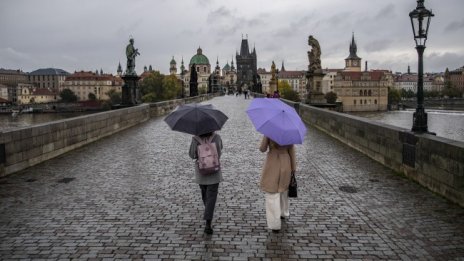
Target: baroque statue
[273, 71]
[131, 53]
[314, 55]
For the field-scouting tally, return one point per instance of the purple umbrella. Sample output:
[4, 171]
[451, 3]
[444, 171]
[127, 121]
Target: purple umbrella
[277, 121]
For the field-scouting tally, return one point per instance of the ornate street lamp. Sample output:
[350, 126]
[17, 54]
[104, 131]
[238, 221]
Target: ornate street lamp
[420, 21]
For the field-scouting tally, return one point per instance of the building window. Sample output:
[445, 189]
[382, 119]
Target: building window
[375, 101]
[361, 93]
[361, 102]
[370, 93]
[354, 102]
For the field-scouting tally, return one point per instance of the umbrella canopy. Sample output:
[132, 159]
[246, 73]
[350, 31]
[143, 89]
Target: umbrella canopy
[277, 121]
[196, 119]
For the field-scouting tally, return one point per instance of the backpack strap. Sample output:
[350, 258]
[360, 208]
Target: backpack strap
[200, 140]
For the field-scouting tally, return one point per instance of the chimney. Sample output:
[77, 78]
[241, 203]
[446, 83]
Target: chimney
[366, 66]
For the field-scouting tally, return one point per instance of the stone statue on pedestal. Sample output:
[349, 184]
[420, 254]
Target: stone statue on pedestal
[131, 53]
[314, 74]
[314, 55]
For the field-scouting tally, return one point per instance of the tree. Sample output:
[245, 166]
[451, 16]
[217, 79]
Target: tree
[394, 96]
[115, 98]
[92, 96]
[171, 87]
[331, 97]
[158, 87]
[287, 92]
[153, 83]
[68, 96]
[451, 91]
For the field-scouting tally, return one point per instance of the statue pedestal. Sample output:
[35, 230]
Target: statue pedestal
[314, 88]
[130, 92]
[272, 86]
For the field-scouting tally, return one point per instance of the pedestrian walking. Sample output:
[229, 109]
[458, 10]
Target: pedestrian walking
[209, 183]
[275, 179]
[202, 121]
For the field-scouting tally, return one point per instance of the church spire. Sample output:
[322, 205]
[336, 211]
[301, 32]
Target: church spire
[282, 69]
[119, 71]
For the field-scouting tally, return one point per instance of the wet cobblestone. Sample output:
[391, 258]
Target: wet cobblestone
[131, 196]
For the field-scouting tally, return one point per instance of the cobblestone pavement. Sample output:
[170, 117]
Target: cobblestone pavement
[131, 196]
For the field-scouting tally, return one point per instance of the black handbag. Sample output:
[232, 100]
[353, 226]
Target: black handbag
[292, 188]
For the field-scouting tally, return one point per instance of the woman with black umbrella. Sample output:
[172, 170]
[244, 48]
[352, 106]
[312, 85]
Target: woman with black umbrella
[209, 183]
[202, 121]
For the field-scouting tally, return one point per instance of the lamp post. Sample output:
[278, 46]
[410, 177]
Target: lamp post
[420, 21]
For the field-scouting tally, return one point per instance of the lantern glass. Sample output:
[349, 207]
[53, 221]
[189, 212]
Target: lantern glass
[420, 21]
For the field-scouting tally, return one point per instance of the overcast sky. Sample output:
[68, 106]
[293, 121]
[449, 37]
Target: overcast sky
[92, 34]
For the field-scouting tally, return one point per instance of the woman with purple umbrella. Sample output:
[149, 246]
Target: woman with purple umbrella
[282, 127]
[275, 179]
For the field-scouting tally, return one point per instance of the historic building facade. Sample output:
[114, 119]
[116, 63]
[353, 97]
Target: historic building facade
[408, 81]
[456, 78]
[328, 81]
[296, 79]
[84, 83]
[10, 80]
[246, 66]
[29, 94]
[265, 77]
[50, 78]
[202, 67]
[229, 76]
[362, 91]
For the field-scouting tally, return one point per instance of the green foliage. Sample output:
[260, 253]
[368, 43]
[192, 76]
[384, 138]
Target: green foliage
[115, 98]
[287, 92]
[451, 91]
[331, 97]
[150, 97]
[431, 94]
[172, 87]
[407, 94]
[68, 96]
[202, 90]
[394, 96]
[158, 87]
[92, 96]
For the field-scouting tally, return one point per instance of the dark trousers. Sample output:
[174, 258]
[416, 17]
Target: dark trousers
[209, 196]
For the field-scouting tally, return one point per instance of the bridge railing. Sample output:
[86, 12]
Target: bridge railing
[28, 146]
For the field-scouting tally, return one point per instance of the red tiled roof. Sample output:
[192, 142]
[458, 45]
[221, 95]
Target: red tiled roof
[4, 101]
[375, 75]
[88, 76]
[291, 74]
[43, 91]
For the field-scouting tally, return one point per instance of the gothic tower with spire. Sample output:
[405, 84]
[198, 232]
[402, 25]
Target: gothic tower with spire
[353, 62]
[246, 65]
[173, 66]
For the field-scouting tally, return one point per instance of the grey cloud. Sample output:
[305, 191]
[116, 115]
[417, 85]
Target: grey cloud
[377, 45]
[219, 14]
[438, 62]
[455, 26]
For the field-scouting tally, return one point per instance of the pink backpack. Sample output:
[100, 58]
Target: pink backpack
[208, 157]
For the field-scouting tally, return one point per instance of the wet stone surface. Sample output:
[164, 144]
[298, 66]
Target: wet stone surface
[131, 196]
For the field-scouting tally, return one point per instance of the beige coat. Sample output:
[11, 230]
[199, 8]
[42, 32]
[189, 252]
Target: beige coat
[279, 163]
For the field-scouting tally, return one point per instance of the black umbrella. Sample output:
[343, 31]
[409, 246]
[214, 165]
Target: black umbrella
[196, 119]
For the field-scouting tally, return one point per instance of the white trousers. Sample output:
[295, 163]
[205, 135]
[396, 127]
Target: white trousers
[276, 207]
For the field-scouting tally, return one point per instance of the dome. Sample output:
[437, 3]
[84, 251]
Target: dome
[173, 61]
[199, 58]
[226, 67]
